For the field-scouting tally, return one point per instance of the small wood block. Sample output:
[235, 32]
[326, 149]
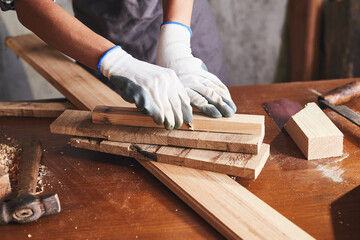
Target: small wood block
[5, 187]
[315, 134]
[236, 164]
[34, 109]
[239, 123]
[74, 122]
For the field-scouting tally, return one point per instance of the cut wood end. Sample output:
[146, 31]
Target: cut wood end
[315, 134]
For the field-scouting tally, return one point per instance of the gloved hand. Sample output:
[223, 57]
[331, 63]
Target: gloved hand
[156, 91]
[207, 93]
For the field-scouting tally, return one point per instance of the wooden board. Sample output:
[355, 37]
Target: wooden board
[341, 39]
[315, 134]
[74, 82]
[5, 188]
[245, 215]
[74, 122]
[236, 164]
[304, 38]
[239, 123]
[234, 212]
[34, 109]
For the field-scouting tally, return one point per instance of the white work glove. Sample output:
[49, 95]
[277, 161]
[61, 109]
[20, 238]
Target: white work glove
[207, 93]
[156, 91]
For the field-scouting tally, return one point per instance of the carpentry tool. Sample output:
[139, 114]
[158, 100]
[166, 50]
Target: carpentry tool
[26, 207]
[341, 95]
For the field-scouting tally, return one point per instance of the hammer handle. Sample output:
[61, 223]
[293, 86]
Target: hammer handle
[343, 93]
[29, 168]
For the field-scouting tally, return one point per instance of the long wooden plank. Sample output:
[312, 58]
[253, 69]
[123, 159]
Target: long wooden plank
[235, 164]
[218, 197]
[79, 123]
[341, 39]
[315, 134]
[34, 109]
[239, 123]
[74, 82]
[221, 201]
[304, 38]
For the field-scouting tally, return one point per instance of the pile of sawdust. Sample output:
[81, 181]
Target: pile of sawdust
[9, 161]
[10, 157]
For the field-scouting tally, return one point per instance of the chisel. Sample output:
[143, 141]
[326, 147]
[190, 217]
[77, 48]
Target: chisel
[340, 95]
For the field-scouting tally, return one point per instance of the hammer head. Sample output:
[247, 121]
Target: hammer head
[28, 208]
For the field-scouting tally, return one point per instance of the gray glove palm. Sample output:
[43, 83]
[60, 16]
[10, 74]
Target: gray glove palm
[155, 91]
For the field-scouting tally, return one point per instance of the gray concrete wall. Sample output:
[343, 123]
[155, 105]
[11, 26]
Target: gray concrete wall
[252, 33]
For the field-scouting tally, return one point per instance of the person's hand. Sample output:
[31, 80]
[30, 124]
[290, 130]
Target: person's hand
[207, 93]
[155, 90]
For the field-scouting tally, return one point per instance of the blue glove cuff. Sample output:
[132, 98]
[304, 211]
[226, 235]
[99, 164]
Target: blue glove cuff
[177, 23]
[103, 56]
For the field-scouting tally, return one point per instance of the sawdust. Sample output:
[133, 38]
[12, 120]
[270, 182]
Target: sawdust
[40, 186]
[10, 157]
[333, 172]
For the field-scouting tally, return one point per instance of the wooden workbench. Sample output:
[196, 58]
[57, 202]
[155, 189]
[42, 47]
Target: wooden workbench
[105, 196]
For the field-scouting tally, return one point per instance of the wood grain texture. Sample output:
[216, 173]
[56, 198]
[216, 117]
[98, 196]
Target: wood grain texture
[232, 205]
[5, 187]
[321, 197]
[34, 109]
[304, 38]
[239, 123]
[315, 134]
[74, 82]
[341, 39]
[74, 122]
[236, 164]
[29, 168]
[251, 215]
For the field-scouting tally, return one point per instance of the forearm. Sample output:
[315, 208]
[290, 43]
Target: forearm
[178, 11]
[61, 30]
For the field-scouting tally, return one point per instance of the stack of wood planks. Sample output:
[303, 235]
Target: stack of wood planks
[220, 200]
[232, 145]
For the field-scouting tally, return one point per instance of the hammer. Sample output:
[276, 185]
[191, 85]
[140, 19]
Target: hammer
[26, 207]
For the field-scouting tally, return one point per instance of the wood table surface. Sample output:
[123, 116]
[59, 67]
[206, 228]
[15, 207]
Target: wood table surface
[111, 197]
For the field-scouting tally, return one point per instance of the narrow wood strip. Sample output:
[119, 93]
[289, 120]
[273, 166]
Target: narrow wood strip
[239, 123]
[236, 164]
[34, 109]
[73, 122]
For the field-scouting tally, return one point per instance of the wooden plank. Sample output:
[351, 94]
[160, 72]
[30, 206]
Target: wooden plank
[341, 39]
[304, 39]
[239, 123]
[74, 82]
[236, 164]
[234, 212]
[34, 109]
[315, 134]
[74, 122]
[223, 198]
[5, 188]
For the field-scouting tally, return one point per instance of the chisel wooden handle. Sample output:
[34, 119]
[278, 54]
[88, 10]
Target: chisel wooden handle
[343, 93]
[29, 168]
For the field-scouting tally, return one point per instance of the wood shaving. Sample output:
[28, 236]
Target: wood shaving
[9, 161]
[10, 157]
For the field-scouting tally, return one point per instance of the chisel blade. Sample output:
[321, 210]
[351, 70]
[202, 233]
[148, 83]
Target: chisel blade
[343, 111]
